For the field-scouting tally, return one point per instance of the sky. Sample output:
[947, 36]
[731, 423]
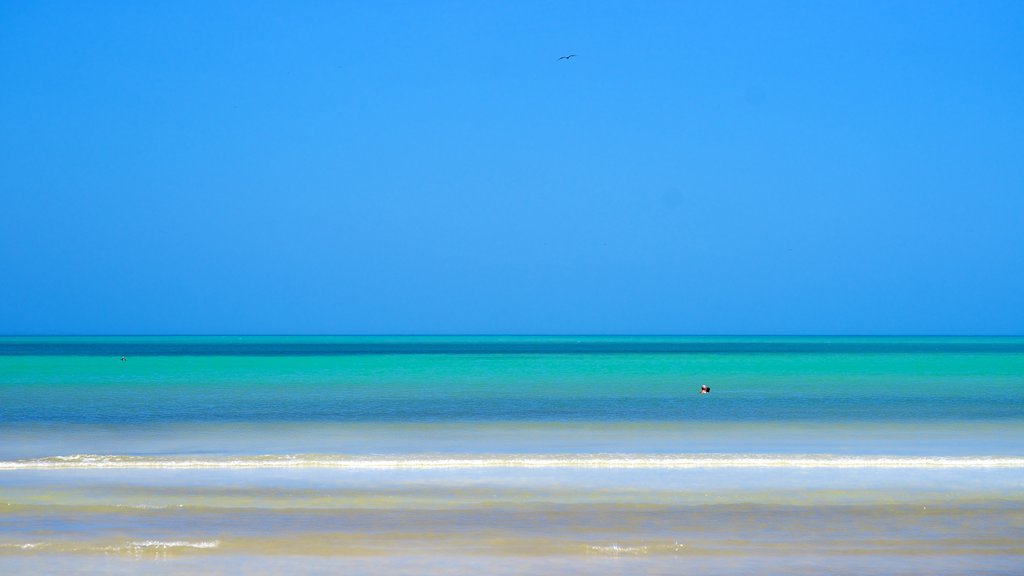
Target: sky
[395, 167]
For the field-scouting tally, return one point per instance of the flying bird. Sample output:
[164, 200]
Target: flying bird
[567, 57]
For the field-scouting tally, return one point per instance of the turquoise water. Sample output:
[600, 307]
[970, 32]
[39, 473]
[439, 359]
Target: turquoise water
[163, 380]
[462, 454]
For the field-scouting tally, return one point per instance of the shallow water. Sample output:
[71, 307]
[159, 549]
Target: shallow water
[512, 455]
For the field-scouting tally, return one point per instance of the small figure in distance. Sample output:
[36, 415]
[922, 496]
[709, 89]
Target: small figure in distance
[123, 358]
[705, 389]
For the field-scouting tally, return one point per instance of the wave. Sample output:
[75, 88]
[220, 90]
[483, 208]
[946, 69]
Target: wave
[637, 550]
[25, 546]
[616, 550]
[161, 545]
[436, 462]
[136, 548]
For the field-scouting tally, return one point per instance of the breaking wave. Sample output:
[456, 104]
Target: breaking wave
[447, 461]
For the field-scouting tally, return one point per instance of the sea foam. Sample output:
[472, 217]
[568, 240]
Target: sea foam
[432, 462]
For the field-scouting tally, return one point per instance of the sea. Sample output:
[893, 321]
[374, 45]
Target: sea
[511, 455]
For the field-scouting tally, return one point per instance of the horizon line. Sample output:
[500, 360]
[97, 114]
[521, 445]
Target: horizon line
[509, 335]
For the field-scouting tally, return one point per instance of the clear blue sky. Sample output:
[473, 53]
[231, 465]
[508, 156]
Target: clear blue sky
[431, 167]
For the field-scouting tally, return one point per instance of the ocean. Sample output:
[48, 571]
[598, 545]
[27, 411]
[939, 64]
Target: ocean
[512, 455]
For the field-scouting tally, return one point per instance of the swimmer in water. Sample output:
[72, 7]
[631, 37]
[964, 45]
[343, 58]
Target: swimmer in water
[705, 389]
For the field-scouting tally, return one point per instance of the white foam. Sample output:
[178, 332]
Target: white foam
[616, 550]
[431, 462]
[137, 547]
[157, 548]
[26, 546]
[160, 545]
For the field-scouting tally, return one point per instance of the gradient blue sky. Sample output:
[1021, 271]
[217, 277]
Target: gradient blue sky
[430, 167]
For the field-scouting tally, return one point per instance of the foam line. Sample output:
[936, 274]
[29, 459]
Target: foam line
[438, 462]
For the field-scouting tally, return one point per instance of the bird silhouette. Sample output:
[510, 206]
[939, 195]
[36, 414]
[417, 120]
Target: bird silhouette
[567, 57]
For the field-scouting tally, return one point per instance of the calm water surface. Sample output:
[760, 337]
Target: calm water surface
[512, 455]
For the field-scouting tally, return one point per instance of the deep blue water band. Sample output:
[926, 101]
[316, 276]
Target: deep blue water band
[304, 347]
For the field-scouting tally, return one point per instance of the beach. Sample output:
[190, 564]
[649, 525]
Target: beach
[508, 455]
